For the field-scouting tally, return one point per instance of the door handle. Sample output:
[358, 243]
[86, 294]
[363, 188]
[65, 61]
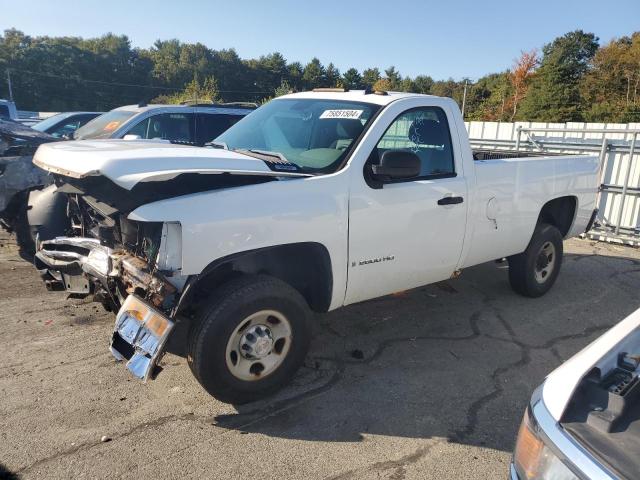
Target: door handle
[450, 200]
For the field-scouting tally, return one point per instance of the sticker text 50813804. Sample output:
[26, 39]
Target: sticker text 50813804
[349, 114]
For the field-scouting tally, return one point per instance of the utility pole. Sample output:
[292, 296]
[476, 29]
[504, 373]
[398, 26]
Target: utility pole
[464, 97]
[9, 83]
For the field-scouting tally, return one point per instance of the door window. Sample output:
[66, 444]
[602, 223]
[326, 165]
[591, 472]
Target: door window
[425, 132]
[165, 126]
[209, 126]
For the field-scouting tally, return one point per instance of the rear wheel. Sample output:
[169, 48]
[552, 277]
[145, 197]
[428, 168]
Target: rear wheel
[533, 272]
[250, 339]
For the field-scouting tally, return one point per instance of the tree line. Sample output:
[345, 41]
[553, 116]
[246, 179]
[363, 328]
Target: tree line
[572, 78]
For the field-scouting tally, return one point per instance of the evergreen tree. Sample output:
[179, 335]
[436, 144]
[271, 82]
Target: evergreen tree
[313, 75]
[554, 94]
[351, 79]
[370, 76]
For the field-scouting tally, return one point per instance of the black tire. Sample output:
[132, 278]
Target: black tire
[21, 227]
[47, 214]
[527, 269]
[220, 319]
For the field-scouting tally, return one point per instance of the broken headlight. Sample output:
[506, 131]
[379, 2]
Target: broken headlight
[99, 260]
[169, 256]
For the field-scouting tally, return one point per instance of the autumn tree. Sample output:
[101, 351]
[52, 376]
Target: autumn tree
[611, 87]
[520, 78]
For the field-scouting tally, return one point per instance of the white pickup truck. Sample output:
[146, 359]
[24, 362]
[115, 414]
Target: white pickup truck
[314, 201]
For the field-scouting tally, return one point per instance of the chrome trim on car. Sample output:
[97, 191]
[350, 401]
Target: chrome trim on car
[513, 475]
[565, 447]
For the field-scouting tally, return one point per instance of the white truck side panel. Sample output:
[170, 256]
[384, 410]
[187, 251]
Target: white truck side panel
[520, 187]
[224, 222]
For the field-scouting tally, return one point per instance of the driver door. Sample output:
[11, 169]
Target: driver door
[407, 233]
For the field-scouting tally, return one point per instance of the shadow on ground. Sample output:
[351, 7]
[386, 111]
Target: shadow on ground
[457, 360]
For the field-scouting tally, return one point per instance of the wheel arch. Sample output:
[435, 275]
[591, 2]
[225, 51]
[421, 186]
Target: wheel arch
[560, 212]
[306, 266]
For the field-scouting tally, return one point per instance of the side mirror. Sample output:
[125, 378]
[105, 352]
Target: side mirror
[396, 165]
[131, 136]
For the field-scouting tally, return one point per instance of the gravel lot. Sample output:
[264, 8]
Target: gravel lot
[427, 384]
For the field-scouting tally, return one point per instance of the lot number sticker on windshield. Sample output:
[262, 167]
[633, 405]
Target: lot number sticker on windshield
[350, 114]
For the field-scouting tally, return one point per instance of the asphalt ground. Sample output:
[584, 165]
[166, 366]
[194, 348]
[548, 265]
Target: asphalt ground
[431, 383]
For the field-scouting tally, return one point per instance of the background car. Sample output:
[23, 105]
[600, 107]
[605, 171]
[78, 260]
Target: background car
[195, 124]
[63, 125]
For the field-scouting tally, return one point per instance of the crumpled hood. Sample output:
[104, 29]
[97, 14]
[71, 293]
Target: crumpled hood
[129, 162]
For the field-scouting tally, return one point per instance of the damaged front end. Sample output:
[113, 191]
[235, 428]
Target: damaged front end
[135, 273]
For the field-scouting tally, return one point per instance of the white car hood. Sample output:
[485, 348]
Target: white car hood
[128, 162]
[562, 382]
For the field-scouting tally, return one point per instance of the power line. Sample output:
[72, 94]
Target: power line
[117, 84]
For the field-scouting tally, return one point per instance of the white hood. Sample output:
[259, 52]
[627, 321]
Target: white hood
[128, 162]
[603, 352]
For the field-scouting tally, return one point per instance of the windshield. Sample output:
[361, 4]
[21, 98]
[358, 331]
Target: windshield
[313, 134]
[50, 121]
[104, 125]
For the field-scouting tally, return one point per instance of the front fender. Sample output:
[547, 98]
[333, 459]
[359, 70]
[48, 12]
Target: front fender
[224, 222]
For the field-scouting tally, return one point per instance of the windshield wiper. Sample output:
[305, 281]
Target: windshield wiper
[275, 160]
[255, 153]
[215, 144]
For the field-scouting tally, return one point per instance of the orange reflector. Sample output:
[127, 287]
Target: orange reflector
[136, 314]
[528, 450]
[157, 325]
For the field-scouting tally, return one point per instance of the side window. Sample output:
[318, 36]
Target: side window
[165, 126]
[210, 126]
[425, 132]
[139, 129]
[66, 128]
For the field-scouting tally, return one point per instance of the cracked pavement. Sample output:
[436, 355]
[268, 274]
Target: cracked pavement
[430, 383]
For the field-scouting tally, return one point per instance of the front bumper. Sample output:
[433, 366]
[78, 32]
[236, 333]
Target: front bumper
[72, 263]
[84, 266]
[139, 337]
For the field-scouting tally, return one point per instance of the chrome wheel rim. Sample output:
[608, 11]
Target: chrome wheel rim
[545, 262]
[258, 345]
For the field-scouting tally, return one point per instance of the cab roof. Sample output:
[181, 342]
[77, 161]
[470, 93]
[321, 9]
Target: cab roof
[379, 98]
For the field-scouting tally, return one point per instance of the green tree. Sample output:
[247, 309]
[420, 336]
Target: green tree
[351, 79]
[194, 91]
[294, 75]
[313, 75]
[554, 93]
[393, 77]
[611, 88]
[370, 76]
[423, 84]
[283, 89]
[331, 76]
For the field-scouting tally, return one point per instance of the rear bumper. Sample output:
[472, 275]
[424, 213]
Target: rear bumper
[591, 221]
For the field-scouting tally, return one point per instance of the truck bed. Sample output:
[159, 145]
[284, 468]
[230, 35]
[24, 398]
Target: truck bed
[488, 154]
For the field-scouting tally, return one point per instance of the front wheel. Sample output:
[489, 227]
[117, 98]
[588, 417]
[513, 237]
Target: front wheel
[250, 339]
[533, 272]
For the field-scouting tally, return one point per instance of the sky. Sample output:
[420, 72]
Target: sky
[443, 39]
